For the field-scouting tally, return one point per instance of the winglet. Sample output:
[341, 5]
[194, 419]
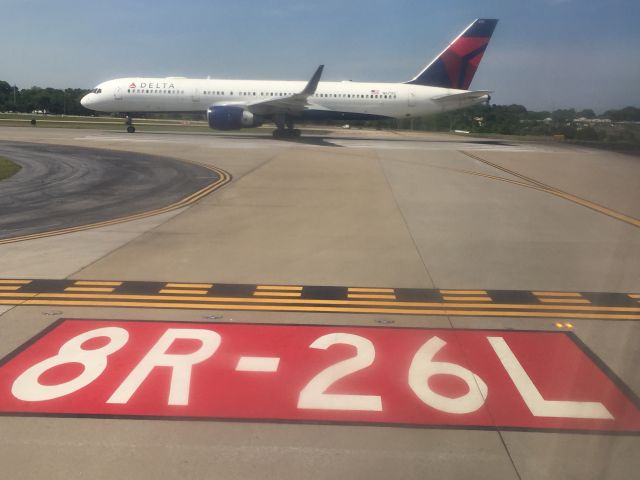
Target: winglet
[310, 89]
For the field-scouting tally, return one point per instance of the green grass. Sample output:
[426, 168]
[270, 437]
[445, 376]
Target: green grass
[117, 124]
[7, 168]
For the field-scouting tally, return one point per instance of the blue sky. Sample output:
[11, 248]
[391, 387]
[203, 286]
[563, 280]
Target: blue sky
[545, 54]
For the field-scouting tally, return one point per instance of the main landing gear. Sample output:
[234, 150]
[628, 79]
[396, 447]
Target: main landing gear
[129, 123]
[289, 132]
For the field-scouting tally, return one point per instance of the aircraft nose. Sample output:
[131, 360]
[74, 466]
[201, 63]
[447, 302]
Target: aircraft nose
[84, 101]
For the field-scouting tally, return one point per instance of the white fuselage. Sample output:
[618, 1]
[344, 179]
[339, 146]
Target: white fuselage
[331, 100]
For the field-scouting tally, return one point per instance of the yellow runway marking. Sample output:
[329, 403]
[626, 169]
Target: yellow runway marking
[552, 190]
[88, 289]
[467, 299]
[213, 300]
[371, 290]
[277, 294]
[15, 282]
[564, 300]
[10, 288]
[189, 285]
[371, 296]
[184, 291]
[557, 294]
[463, 292]
[426, 302]
[19, 295]
[278, 287]
[222, 306]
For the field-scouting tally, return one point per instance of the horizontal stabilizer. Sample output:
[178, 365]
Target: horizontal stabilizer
[462, 96]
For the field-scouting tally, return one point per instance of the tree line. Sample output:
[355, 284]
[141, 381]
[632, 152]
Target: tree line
[517, 120]
[51, 100]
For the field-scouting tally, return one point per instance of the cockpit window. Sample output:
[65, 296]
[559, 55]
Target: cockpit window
[96, 90]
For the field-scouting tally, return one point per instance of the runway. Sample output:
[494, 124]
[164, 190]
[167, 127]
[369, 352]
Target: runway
[411, 252]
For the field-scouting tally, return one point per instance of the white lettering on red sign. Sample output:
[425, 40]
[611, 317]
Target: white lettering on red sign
[532, 397]
[27, 386]
[181, 364]
[476, 378]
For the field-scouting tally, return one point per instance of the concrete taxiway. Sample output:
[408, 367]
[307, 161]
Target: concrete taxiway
[377, 213]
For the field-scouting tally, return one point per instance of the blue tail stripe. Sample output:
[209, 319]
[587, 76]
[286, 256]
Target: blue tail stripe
[482, 27]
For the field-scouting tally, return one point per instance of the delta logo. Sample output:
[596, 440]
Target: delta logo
[132, 85]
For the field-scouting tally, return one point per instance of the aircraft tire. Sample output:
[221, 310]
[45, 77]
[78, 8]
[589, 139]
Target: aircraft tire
[131, 129]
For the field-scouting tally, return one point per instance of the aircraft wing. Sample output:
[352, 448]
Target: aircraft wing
[462, 96]
[292, 104]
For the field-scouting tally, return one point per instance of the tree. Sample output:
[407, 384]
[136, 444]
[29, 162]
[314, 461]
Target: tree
[627, 114]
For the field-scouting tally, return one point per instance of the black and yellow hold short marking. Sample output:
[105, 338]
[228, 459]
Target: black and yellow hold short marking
[323, 299]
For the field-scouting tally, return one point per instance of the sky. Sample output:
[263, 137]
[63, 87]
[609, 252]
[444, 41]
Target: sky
[545, 54]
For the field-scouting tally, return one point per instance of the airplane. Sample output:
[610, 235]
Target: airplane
[442, 85]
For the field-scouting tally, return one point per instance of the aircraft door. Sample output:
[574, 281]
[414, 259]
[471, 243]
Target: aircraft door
[117, 94]
[195, 95]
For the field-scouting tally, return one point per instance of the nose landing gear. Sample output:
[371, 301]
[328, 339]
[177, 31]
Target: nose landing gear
[129, 123]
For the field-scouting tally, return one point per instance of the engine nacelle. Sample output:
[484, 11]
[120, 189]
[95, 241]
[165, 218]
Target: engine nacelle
[231, 118]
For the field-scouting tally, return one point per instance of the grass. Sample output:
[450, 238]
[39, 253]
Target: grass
[117, 124]
[8, 168]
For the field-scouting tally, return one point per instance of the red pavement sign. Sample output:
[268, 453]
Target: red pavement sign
[329, 374]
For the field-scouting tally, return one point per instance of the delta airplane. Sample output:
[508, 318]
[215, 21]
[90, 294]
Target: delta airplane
[234, 104]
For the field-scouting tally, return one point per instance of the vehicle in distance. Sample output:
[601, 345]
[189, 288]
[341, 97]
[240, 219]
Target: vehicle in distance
[234, 104]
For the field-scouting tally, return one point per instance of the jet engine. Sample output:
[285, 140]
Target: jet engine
[231, 118]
